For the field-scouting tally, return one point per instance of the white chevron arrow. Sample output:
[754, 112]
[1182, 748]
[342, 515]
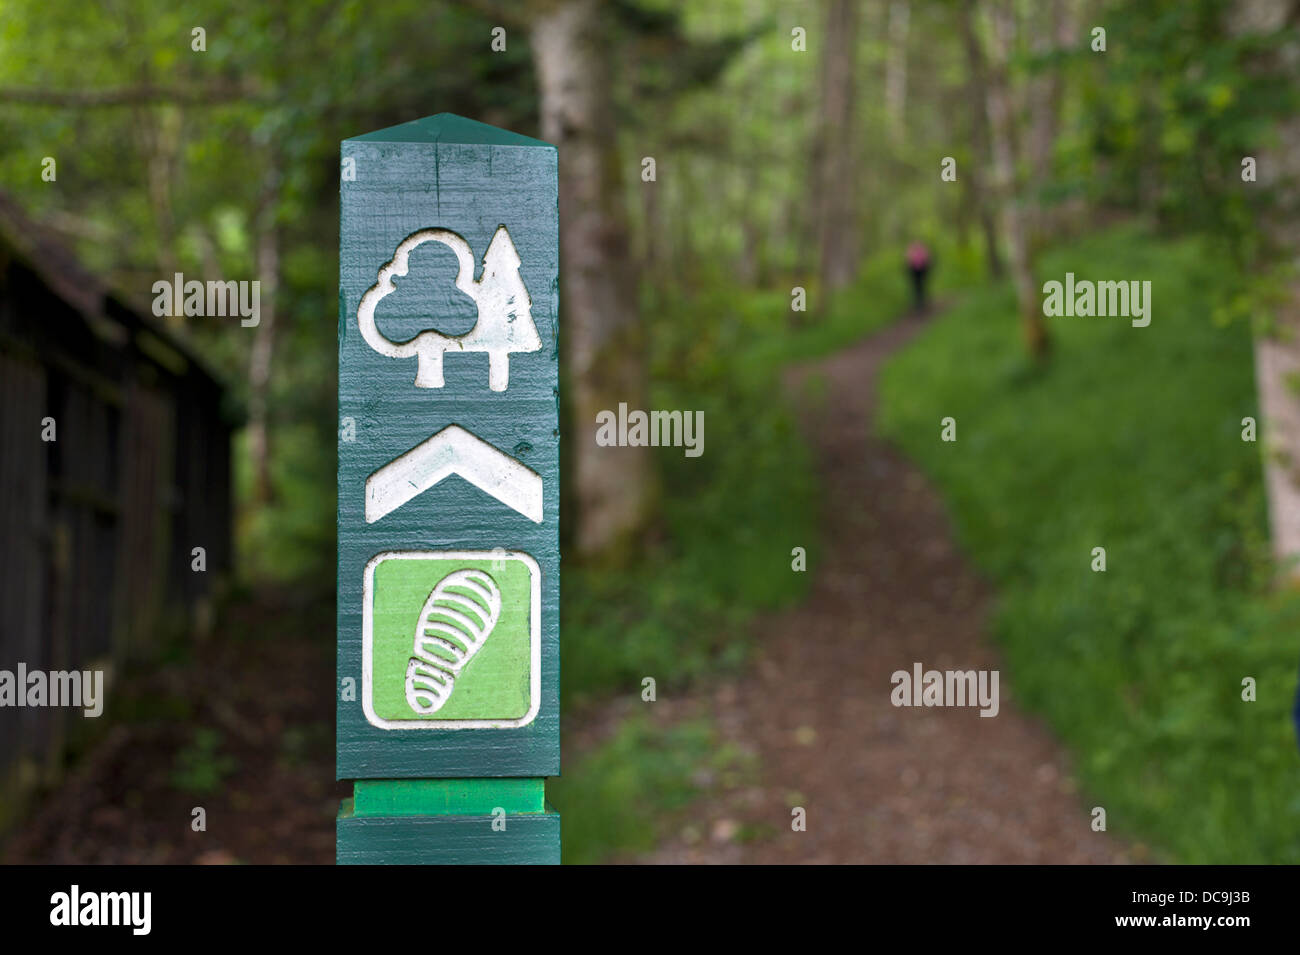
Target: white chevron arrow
[453, 450]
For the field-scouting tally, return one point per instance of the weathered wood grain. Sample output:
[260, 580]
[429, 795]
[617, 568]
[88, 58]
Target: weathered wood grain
[527, 839]
[448, 173]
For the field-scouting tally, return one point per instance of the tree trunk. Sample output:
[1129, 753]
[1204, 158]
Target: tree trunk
[1053, 33]
[836, 182]
[259, 361]
[602, 333]
[161, 129]
[977, 90]
[654, 232]
[896, 72]
[1277, 354]
[1013, 218]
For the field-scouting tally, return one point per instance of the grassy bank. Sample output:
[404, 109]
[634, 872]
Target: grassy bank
[1129, 439]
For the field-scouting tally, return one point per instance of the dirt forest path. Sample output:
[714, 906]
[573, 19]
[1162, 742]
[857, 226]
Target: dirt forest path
[881, 784]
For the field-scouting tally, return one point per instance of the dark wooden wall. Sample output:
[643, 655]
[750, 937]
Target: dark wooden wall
[98, 526]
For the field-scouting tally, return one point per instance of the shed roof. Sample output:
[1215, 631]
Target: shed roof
[109, 315]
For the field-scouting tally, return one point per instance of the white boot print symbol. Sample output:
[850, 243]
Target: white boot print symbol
[456, 619]
[505, 321]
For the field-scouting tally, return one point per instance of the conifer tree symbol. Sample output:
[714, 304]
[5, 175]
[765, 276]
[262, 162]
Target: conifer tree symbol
[505, 320]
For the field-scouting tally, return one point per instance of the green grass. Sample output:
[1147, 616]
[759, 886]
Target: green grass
[1128, 439]
[621, 798]
[200, 766]
[683, 609]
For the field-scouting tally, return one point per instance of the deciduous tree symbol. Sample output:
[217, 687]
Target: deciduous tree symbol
[505, 321]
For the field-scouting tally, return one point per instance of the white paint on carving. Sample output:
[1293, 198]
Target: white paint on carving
[368, 640]
[453, 450]
[431, 673]
[505, 321]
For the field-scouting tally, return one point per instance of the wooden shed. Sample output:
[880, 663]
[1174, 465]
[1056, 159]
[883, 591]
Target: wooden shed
[114, 466]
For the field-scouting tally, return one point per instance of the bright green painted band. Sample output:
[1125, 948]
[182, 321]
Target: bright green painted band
[448, 797]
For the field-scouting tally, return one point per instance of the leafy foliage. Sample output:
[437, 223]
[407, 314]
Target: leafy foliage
[1171, 109]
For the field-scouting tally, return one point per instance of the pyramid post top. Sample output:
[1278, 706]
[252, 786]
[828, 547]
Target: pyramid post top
[449, 128]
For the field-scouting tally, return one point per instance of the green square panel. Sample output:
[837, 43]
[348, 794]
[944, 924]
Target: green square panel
[451, 640]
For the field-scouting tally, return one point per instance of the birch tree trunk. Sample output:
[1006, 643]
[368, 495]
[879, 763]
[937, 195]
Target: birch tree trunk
[1277, 355]
[263, 350]
[1004, 171]
[602, 334]
[836, 182]
[1053, 32]
[976, 181]
[896, 70]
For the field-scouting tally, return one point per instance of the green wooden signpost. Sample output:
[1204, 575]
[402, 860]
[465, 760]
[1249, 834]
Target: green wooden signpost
[448, 495]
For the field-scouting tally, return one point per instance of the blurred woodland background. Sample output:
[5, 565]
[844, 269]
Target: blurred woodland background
[796, 145]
